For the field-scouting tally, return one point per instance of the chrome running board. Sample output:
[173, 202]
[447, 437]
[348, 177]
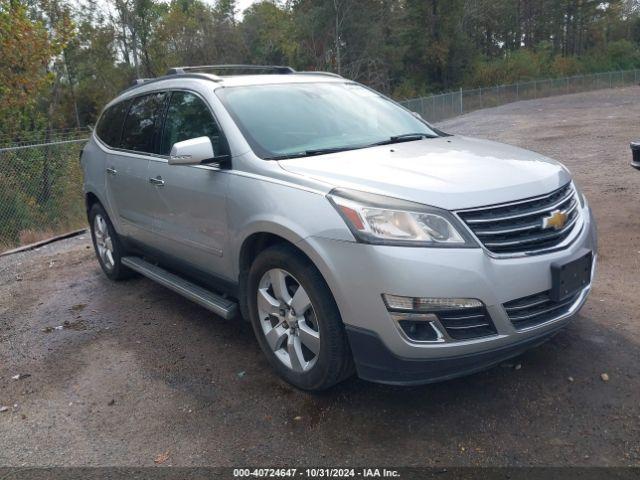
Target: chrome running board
[219, 305]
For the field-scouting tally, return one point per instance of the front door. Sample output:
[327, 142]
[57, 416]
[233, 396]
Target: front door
[190, 209]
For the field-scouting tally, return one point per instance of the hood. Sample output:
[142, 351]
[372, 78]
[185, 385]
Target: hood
[447, 172]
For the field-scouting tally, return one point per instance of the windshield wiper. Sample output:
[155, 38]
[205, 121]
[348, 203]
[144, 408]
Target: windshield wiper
[312, 152]
[405, 137]
[322, 151]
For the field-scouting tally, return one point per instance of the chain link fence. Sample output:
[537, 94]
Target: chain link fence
[40, 187]
[436, 108]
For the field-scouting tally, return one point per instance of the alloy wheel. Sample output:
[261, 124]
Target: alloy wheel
[104, 243]
[288, 320]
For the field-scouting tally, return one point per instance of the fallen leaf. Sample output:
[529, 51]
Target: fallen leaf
[604, 377]
[162, 457]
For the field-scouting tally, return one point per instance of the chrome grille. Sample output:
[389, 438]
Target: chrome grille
[536, 309]
[517, 227]
[467, 323]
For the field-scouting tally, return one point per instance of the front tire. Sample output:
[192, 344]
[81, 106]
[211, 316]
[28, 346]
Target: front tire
[296, 320]
[107, 244]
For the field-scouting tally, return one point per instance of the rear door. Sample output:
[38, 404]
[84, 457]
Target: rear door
[129, 188]
[109, 131]
[190, 206]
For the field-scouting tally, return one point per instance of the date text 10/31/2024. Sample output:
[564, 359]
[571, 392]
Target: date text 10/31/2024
[315, 473]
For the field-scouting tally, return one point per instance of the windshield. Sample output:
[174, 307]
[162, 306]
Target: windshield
[300, 119]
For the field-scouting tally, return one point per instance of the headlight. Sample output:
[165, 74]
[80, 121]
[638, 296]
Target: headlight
[389, 221]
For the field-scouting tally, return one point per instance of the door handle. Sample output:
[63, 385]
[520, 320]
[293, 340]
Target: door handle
[157, 181]
[111, 171]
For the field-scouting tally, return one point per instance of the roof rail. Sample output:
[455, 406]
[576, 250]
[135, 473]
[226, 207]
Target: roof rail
[144, 81]
[327, 74]
[265, 68]
[140, 81]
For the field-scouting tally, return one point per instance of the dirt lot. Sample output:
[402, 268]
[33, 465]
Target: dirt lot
[136, 371]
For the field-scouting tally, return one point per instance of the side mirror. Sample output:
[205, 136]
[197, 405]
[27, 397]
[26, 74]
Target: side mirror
[194, 151]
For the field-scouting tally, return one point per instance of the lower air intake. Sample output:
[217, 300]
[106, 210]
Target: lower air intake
[536, 309]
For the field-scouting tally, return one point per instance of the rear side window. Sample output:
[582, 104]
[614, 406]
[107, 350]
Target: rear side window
[110, 125]
[188, 117]
[139, 126]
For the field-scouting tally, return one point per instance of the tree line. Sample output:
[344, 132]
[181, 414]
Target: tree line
[62, 60]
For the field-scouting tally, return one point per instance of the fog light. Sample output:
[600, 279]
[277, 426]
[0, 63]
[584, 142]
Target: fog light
[418, 327]
[422, 304]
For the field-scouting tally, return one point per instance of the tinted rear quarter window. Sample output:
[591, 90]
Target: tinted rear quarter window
[110, 125]
[139, 126]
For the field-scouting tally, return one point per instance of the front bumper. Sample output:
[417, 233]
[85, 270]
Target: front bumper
[376, 363]
[358, 274]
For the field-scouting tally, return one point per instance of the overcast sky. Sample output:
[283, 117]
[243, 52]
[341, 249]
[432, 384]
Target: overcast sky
[242, 4]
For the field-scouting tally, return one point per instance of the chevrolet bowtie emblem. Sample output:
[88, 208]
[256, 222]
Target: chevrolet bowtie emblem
[555, 220]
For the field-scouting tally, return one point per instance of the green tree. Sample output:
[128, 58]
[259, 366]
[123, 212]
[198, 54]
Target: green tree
[266, 33]
[25, 52]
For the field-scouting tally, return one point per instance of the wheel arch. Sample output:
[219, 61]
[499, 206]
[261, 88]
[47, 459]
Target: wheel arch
[256, 242]
[90, 199]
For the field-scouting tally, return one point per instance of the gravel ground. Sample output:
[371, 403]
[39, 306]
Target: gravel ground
[130, 373]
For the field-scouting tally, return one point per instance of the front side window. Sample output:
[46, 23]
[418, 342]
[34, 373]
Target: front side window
[139, 126]
[188, 117]
[110, 125]
[287, 120]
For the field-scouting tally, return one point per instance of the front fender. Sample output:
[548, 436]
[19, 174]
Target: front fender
[258, 205]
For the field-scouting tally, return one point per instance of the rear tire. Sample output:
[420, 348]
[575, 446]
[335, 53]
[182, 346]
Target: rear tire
[308, 348]
[107, 244]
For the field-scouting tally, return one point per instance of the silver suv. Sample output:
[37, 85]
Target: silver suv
[351, 233]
